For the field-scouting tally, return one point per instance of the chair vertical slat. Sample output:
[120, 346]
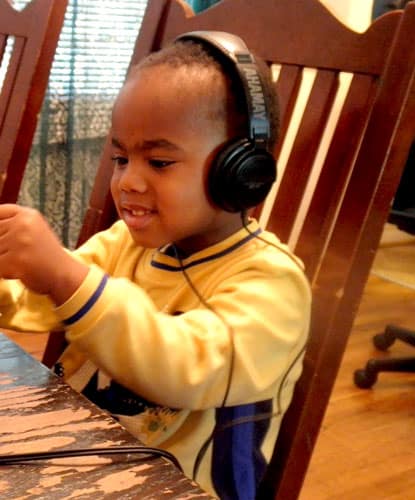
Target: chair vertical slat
[7, 95]
[288, 85]
[35, 30]
[3, 43]
[303, 153]
[10, 111]
[338, 165]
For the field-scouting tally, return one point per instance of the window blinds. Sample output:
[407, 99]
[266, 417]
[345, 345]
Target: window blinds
[95, 45]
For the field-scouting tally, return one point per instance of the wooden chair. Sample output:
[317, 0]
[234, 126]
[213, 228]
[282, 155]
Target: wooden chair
[339, 166]
[33, 35]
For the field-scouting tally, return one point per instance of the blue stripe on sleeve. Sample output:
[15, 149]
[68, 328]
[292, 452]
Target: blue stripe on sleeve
[90, 302]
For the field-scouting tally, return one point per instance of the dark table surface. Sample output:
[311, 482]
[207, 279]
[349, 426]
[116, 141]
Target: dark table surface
[39, 412]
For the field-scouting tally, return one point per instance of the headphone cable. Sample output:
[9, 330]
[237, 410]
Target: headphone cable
[17, 458]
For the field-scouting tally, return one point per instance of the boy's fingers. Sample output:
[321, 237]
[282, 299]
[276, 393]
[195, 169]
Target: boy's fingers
[5, 265]
[8, 210]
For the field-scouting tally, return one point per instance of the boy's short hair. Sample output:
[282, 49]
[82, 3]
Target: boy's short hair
[193, 53]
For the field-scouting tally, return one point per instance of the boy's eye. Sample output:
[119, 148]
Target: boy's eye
[156, 163]
[119, 160]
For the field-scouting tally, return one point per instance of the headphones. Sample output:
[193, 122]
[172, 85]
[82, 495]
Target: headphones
[244, 170]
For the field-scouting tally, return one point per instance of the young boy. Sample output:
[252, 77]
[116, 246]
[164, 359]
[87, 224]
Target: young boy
[182, 313]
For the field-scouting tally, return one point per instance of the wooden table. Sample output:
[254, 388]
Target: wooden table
[39, 412]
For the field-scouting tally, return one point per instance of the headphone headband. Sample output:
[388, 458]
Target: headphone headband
[243, 61]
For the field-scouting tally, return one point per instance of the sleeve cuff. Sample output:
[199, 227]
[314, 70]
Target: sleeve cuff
[78, 305]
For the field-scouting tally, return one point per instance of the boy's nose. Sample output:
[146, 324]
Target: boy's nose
[133, 178]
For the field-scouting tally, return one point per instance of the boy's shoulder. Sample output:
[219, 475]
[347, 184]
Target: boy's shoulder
[274, 253]
[255, 248]
[266, 245]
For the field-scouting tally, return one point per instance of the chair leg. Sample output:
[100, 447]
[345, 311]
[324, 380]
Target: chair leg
[54, 348]
[366, 377]
[392, 332]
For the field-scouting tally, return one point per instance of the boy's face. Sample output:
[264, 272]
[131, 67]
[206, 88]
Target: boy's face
[165, 132]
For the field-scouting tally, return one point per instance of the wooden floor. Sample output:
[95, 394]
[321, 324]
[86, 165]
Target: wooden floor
[366, 447]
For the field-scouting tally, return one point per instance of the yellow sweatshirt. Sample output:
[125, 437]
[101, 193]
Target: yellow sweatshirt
[157, 341]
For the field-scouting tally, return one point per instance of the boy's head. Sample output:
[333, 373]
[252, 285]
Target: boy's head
[183, 106]
[212, 51]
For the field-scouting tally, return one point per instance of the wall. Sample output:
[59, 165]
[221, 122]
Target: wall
[354, 13]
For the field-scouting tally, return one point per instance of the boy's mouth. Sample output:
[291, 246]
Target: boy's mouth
[139, 212]
[138, 217]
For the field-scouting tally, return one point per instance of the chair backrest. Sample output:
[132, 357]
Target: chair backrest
[347, 102]
[28, 41]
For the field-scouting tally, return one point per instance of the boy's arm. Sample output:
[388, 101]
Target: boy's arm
[184, 361]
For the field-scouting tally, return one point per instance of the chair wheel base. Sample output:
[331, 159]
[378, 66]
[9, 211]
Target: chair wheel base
[382, 342]
[364, 379]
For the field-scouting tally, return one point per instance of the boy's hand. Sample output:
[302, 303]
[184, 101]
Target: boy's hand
[30, 252]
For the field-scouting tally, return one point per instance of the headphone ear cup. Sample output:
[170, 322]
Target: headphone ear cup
[241, 176]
